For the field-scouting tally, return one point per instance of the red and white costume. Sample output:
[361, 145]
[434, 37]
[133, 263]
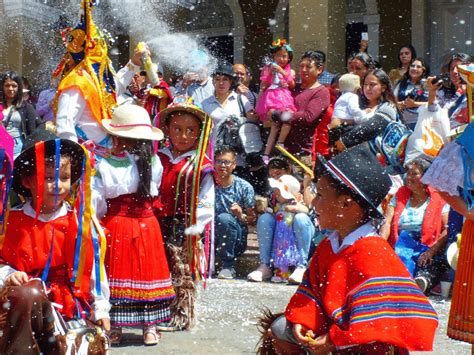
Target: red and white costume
[27, 246]
[360, 293]
[140, 282]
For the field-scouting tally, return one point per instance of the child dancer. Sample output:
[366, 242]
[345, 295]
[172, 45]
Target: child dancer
[187, 195]
[356, 295]
[285, 250]
[42, 240]
[127, 182]
[277, 79]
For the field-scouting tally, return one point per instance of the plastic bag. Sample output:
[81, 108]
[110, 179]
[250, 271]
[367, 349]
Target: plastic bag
[430, 134]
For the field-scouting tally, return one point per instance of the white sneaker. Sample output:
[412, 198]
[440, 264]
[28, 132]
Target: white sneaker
[297, 276]
[278, 280]
[263, 273]
[226, 274]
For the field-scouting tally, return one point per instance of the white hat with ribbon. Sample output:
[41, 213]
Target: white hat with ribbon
[132, 121]
[288, 185]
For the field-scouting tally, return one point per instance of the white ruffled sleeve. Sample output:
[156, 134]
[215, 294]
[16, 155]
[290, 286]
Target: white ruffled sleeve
[101, 305]
[205, 209]
[446, 173]
[5, 272]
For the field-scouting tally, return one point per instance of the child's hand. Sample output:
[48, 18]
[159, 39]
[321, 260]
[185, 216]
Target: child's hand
[321, 345]
[18, 278]
[291, 208]
[104, 323]
[303, 335]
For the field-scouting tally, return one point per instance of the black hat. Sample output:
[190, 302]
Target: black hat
[26, 161]
[224, 68]
[358, 169]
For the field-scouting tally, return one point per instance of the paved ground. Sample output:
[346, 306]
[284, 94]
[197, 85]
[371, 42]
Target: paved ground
[227, 322]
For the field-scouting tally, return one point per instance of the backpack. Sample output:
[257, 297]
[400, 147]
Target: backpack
[241, 134]
[392, 144]
[228, 133]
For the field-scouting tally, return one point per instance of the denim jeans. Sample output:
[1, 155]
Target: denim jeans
[302, 227]
[17, 147]
[231, 239]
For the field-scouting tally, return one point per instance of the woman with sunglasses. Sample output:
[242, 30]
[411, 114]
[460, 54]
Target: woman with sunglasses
[411, 91]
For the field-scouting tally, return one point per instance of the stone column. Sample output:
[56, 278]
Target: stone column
[372, 21]
[319, 25]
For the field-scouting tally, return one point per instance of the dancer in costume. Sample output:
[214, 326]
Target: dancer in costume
[452, 175]
[187, 195]
[89, 86]
[356, 296]
[43, 240]
[126, 184]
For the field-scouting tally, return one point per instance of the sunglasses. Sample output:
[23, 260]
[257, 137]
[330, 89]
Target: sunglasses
[224, 162]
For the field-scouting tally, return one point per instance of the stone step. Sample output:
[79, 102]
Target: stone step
[250, 259]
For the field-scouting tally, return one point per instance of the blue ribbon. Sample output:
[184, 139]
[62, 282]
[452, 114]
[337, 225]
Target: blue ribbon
[95, 240]
[57, 143]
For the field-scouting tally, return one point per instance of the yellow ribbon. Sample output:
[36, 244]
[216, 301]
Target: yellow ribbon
[86, 219]
[295, 159]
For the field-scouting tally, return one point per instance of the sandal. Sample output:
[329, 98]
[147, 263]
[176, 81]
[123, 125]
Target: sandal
[151, 330]
[115, 335]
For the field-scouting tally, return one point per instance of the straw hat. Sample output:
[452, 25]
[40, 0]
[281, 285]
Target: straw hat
[452, 253]
[288, 185]
[182, 104]
[132, 121]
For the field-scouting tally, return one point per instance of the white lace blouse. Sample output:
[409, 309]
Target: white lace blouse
[446, 173]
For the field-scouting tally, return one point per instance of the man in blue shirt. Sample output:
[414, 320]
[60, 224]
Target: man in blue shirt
[234, 211]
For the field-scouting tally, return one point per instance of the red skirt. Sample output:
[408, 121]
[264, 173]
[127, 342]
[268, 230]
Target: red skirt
[136, 262]
[461, 315]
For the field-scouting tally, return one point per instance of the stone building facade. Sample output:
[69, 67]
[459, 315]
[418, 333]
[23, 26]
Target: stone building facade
[241, 30]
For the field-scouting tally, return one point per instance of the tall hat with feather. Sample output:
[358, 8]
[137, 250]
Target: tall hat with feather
[86, 65]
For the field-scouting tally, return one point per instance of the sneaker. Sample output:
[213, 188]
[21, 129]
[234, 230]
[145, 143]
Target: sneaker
[226, 274]
[422, 283]
[262, 273]
[167, 327]
[266, 159]
[297, 276]
[278, 280]
[280, 276]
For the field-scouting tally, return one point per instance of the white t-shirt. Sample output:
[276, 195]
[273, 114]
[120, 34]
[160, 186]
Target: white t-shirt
[219, 113]
[347, 108]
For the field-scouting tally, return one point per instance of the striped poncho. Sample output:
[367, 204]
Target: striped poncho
[363, 294]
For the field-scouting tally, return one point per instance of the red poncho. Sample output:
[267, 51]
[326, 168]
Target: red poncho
[361, 295]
